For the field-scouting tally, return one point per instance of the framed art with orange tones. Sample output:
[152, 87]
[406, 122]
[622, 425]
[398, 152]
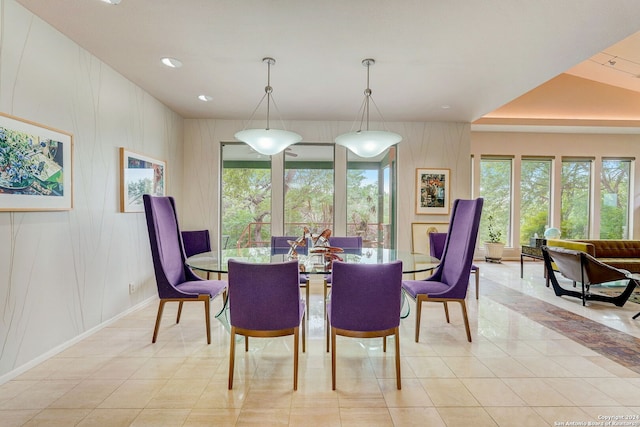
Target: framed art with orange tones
[432, 191]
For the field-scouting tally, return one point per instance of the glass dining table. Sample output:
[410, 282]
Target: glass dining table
[311, 263]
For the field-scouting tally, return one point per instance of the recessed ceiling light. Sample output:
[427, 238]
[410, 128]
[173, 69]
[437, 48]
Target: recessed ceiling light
[205, 98]
[111, 1]
[445, 106]
[171, 62]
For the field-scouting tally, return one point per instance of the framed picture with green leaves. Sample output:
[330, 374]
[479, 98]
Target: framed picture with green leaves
[36, 166]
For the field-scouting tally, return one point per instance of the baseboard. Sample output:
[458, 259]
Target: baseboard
[58, 349]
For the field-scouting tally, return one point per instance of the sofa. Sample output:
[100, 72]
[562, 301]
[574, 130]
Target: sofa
[624, 254]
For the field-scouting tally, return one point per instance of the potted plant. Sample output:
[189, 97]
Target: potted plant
[494, 246]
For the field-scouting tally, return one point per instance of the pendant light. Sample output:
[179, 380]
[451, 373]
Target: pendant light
[267, 141]
[368, 143]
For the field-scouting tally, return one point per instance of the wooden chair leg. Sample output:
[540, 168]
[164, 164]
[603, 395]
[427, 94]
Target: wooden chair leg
[158, 317]
[295, 356]
[418, 315]
[179, 312]
[466, 319]
[446, 311]
[398, 376]
[232, 355]
[246, 343]
[207, 318]
[333, 359]
[384, 344]
[304, 334]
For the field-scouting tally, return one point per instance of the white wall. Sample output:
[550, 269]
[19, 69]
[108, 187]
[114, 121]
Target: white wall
[425, 145]
[63, 273]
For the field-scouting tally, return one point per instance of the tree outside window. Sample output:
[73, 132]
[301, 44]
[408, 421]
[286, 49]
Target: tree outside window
[246, 200]
[614, 199]
[495, 188]
[535, 196]
[575, 196]
[369, 201]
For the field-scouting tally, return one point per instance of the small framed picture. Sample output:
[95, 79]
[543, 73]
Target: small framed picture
[139, 175]
[432, 191]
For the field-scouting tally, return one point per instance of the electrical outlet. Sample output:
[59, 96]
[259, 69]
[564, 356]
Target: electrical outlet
[132, 288]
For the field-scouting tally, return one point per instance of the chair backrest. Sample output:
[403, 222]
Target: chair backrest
[264, 296]
[350, 244]
[281, 245]
[196, 242]
[166, 243]
[581, 267]
[436, 244]
[460, 244]
[366, 297]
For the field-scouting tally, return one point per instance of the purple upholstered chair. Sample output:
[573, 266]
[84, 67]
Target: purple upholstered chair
[436, 247]
[280, 245]
[365, 303]
[450, 280]
[350, 244]
[197, 242]
[176, 282]
[264, 301]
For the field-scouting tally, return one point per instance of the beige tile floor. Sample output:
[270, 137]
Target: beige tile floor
[515, 373]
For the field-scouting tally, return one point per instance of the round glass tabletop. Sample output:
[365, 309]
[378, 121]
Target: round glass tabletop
[312, 263]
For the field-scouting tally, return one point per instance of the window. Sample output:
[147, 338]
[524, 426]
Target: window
[369, 200]
[309, 188]
[495, 188]
[535, 197]
[575, 198]
[245, 197]
[614, 199]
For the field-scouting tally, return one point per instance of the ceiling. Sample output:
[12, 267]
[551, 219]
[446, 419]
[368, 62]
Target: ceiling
[435, 61]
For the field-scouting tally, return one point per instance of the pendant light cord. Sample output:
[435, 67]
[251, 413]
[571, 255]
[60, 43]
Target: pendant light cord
[268, 89]
[268, 93]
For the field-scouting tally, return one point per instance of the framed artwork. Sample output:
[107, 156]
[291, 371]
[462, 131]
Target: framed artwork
[432, 191]
[420, 235]
[139, 175]
[36, 166]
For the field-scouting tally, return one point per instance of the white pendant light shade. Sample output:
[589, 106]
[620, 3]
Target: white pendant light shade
[268, 141]
[368, 143]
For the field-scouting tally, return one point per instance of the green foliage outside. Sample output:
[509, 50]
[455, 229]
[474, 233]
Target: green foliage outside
[614, 199]
[308, 200]
[575, 195]
[309, 196]
[495, 188]
[246, 198]
[535, 200]
[535, 195]
[366, 208]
